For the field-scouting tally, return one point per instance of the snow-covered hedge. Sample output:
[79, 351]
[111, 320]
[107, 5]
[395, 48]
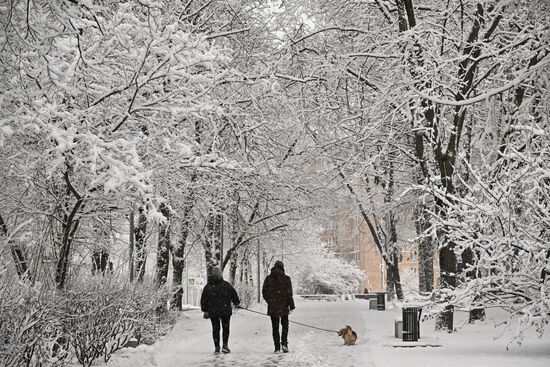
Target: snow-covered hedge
[103, 313]
[91, 320]
[31, 331]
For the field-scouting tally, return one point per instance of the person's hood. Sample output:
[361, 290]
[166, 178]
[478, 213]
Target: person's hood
[279, 264]
[277, 270]
[216, 276]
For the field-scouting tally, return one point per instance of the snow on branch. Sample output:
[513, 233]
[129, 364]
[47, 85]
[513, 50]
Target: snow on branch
[341, 29]
[228, 33]
[484, 96]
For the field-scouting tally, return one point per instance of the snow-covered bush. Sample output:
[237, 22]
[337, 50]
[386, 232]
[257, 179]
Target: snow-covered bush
[93, 319]
[247, 293]
[103, 313]
[30, 328]
[320, 271]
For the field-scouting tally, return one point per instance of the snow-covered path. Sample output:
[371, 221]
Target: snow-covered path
[190, 343]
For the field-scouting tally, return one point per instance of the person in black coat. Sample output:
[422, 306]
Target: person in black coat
[277, 292]
[216, 300]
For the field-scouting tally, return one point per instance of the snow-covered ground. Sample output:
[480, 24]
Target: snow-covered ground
[190, 343]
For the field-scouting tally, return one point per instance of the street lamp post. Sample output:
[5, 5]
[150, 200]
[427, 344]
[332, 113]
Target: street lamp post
[258, 260]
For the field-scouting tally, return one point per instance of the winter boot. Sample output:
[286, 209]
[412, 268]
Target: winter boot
[217, 350]
[225, 349]
[285, 349]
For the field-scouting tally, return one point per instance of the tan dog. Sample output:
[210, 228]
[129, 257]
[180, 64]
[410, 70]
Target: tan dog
[348, 334]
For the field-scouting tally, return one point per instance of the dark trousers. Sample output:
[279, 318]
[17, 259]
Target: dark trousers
[216, 329]
[283, 338]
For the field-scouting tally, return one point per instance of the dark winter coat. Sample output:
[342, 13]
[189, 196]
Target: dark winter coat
[217, 297]
[277, 292]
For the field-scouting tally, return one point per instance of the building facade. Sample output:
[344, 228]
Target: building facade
[349, 236]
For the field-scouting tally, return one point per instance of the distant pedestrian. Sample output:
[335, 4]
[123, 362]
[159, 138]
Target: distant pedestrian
[277, 292]
[216, 300]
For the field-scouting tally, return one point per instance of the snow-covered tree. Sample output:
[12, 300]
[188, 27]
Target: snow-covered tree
[316, 269]
[423, 68]
[94, 93]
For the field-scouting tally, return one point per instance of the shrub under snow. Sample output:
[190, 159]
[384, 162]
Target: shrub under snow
[103, 313]
[320, 271]
[91, 320]
[30, 328]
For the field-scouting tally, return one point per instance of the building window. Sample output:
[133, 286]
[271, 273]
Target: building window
[414, 271]
[413, 255]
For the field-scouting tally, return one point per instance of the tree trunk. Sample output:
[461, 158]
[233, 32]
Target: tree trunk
[241, 272]
[233, 267]
[544, 273]
[19, 258]
[163, 249]
[393, 280]
[409, 7]
[401, 15]
[476, 314]
[425, 251]
[444, 320]
[422, 217]
[234, 220]
[445, 163]
[69, 226]
[244, 268]
[392, 246]
[397, 280]
[177, 284]
[423, 225]
[448, 267]
[131, 247]
[212, 243]
[139, 233]
[100, 261]
[178, 254]
[265, 266]
[468, 258]
[249, 272]
[390, 291]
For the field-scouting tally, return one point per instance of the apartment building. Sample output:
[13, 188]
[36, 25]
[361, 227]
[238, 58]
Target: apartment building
[348, 235]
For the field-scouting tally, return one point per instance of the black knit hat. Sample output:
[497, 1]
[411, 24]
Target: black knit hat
[279, 264]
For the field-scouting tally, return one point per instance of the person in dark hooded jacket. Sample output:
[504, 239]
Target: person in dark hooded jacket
[277, 292]
[216, 300]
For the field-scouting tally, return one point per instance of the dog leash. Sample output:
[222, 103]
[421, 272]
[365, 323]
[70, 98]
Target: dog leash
[294, 322]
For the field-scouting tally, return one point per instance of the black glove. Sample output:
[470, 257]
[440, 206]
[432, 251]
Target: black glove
[205, 315]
